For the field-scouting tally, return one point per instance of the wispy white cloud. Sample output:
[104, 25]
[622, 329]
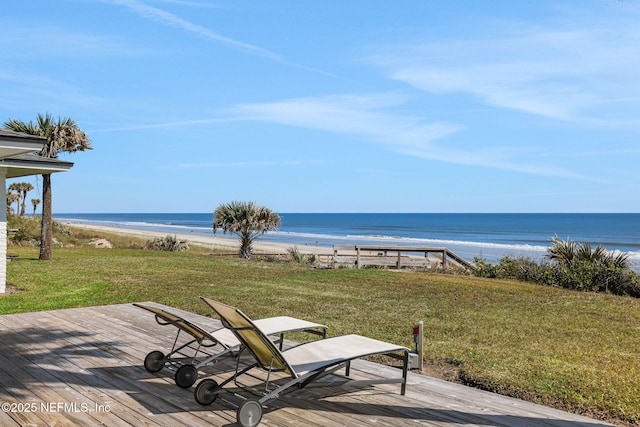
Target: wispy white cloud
[158, 15]
[217, 165]
[31, 55]
[44, 41]
[27, 88]
[165, 125]
[362, 116]
[202, 4]
[366, 117]
[166, 18]
[584, 72]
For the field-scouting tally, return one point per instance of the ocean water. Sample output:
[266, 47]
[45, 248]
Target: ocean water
[488, 236]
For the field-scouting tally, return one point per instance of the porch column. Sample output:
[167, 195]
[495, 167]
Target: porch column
[3, 231]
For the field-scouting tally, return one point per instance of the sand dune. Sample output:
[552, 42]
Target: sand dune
[218, 242]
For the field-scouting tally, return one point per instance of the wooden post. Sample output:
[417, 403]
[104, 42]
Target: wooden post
[399, 256]
[335, 254]
[420, 344]
[357, 258]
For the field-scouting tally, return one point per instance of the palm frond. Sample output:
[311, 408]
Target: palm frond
[62, 134]
[562, 251]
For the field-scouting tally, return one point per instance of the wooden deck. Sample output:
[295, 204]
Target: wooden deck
[84, 367]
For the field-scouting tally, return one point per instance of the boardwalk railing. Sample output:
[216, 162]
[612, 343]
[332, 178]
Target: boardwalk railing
[396, 256]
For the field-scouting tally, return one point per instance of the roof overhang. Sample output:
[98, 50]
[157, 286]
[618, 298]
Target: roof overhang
[16, 143]
[31, 164]
[17, 158]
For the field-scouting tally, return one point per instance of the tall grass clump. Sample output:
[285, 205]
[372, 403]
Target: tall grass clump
[23, 230]
[299, 258]
[570, 265]
[167, 244]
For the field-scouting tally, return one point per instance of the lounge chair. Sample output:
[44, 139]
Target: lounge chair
[301, 366]
[205, 348]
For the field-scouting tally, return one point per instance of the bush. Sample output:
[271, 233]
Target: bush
[584, 276]
[23, 230]
[483, 268]
[168, 244]
[511, 268]
[574, 266]
[524, 269]
[299, 258]
[579, 266]
[508, 267]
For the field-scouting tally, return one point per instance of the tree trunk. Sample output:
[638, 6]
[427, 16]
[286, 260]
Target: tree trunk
[47, 219]
[23, 206]
[245, 245]
[24, 203]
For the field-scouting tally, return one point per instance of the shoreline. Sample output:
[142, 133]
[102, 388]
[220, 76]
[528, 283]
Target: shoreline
[231, 244]
[489, 237]
[212, 242]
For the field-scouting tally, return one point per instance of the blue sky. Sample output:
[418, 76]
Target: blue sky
[334, 106]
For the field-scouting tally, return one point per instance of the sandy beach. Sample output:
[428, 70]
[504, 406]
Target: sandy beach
[218, 242]
[229, 244]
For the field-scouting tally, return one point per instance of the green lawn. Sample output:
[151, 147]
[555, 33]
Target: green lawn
[576, 351]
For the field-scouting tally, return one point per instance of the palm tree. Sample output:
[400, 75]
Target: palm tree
[61, 135]
[12, 197]
[562, 251]
[22, 188]
[18, 195]
[35, 203]
[566, 253]
[248, 220]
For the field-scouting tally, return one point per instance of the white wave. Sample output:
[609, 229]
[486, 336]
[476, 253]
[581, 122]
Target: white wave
[634, 255]
[415, 240]
[133, 224]
[467, 249]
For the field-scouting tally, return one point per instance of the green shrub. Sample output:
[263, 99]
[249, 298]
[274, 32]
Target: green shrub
[23, 230]
[524, 269]
[167, 244]
[483, 268]
[299, 258]
[573, 265]
[60, 229]
[579, 266]
[585, 276]
[295, 255]
[510, 268]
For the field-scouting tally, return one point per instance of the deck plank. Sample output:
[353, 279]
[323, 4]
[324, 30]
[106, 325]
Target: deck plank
[91, 358]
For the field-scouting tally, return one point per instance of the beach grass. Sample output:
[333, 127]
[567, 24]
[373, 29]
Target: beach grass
[572, 350]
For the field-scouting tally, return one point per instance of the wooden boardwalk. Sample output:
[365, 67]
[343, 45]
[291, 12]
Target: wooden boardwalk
[395, 256]
[83, 367]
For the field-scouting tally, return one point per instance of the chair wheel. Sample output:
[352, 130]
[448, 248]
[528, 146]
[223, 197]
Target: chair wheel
[206, 392]
[186, 376]
[154, 361]
[249, 413]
